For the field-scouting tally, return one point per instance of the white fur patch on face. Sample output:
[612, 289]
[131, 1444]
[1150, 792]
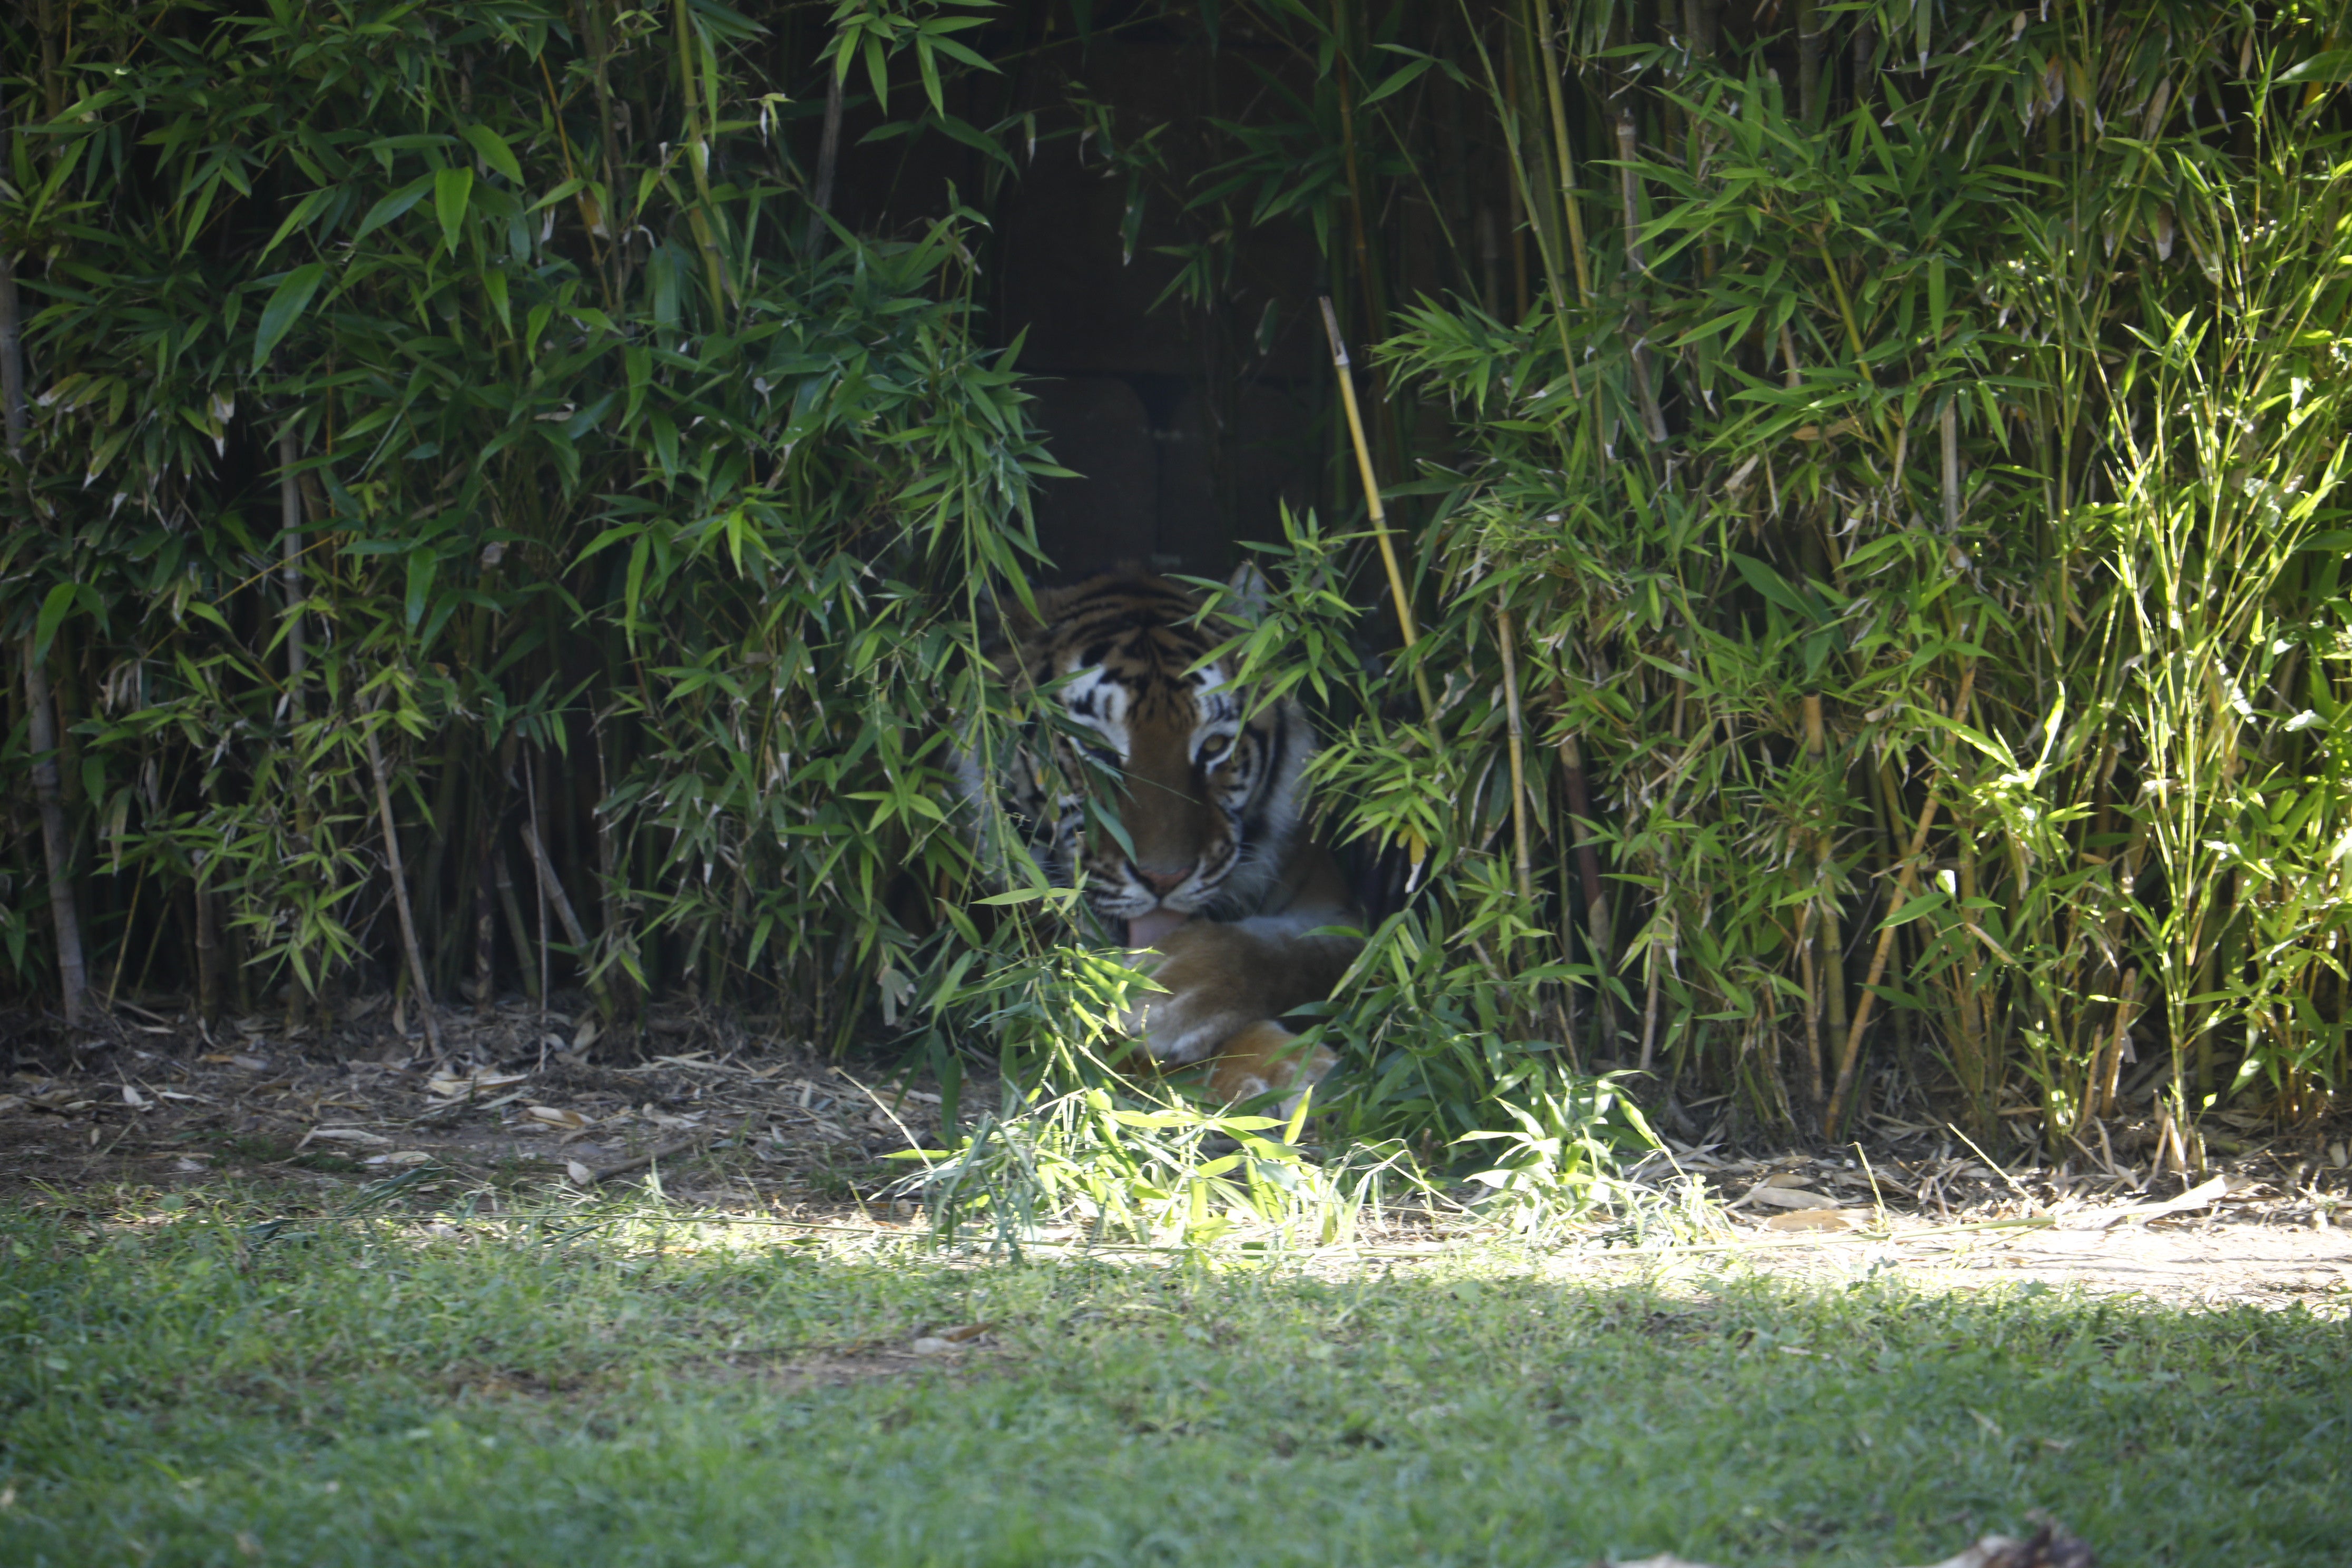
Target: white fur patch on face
[1099, 702]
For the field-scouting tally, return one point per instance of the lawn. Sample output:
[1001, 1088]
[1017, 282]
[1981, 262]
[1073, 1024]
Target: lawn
[183, 1383]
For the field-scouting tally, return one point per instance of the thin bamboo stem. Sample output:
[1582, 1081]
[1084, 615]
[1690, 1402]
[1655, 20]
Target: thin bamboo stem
[1596, 902]
[1808, 976]
[56, 840]
[517, 932]
[289, 547]
[828, 157]
[700, 215]
[1503, 635]
[554, 889]
[1373, 504]
[1906, 877]
[12, 346]
[1809, 59]
[538, 880]
[400, 899]
[1637, 320]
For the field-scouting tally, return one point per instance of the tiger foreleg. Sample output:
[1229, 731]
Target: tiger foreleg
[1224, 985]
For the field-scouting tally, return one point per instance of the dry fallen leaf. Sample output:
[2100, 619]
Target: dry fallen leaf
[582, 1176]
[450, 1086]
[344, 1135]
[931, 1344]
[553, 1116]
[1815, 1219]
[398, 1157]
[133, 1098]
[1788, 1198]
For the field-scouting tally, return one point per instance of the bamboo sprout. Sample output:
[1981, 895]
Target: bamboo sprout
[400, 899]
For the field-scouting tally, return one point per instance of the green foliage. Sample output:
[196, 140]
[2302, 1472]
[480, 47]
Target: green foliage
[1914, 505]
[616, 514]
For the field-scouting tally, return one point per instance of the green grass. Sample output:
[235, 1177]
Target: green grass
[366, 1392]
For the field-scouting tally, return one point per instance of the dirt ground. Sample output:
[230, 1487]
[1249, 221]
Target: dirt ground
[723, 1118]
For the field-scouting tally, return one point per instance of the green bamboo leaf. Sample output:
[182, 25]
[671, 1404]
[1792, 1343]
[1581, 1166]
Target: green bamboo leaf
[286, 305]
[55, 608]
[2333, 66]
[451, 189]
[392, 206]
[422, 563]
[495, 152]
[494, 288]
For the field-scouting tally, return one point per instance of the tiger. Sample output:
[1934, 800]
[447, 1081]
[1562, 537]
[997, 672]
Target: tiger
[1222, 895]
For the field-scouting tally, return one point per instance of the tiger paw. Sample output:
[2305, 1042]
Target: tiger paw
[1218, 982]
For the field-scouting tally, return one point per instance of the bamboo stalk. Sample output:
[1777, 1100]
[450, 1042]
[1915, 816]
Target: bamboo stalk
[1565, 168]
[1364, 281]
[1637, 320]
[1596, 903]
[289, 547]
[616, 224]
[539, 882]
[1809, 59]
[400, 899]
[1518, 764]
[12, 345]
[1373, 504]
[517, 932]
[207, 939]
[700, 215]
[57, 841]
[554, 889]
[1809, 977]
[1949, 421]
[486, 925]
[828, 157]
[1905, 878]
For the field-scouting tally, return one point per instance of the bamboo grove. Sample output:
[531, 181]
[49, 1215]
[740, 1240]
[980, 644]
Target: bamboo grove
[1882, 559]
[1866, 475]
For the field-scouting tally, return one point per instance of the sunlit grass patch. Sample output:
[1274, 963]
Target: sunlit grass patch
[635, 1386]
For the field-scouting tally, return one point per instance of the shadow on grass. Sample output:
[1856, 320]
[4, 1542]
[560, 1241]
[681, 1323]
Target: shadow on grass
[187, 1385]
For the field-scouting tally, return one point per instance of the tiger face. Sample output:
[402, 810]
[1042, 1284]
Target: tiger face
[1207, 792]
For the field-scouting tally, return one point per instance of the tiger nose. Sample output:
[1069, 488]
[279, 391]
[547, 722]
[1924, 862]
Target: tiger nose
[1160, 883]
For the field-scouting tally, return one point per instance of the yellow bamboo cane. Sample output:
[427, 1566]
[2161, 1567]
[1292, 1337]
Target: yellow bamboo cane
[1372, 503]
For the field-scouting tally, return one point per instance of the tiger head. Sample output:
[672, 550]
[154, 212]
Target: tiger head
[1207, 792]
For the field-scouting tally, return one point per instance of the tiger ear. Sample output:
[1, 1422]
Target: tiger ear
[1251, 594]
